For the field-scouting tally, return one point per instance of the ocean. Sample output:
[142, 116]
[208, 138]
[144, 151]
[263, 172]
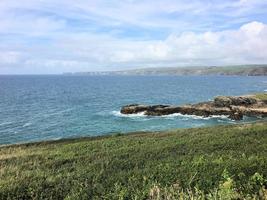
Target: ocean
[48, 107]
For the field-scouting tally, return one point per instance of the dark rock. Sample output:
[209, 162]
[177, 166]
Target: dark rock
[149, 110]
[133, 109]
[222, 101]
[159, 110]
[236, 116]
[225, 101]
[243, 101]
[234, 107]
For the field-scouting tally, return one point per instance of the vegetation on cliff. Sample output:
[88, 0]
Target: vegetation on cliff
[240, 70]
[222, 162]
[262, 96]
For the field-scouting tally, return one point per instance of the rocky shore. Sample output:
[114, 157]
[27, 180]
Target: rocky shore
[235, 107]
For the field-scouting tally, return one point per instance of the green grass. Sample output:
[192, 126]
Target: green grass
[223, 162]
[262, 96]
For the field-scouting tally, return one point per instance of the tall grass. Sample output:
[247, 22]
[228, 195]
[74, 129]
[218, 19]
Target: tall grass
[222, 162]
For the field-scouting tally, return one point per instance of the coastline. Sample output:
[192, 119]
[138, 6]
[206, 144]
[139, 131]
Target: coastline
[235, 107]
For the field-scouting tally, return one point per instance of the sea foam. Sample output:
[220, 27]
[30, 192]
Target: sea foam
[119, 114]
[175, 115]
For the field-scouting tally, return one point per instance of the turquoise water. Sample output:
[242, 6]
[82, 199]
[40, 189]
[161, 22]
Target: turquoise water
[35, 108]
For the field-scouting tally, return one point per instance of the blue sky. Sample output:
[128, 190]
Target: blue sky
[55, 36]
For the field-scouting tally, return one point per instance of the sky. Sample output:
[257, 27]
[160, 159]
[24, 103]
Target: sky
[57, 36]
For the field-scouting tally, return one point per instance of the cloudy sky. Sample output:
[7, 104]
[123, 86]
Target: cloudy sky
[55, 36]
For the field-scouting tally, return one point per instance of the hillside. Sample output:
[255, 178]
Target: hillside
[241, 70]
[221, 162]
[247, 70]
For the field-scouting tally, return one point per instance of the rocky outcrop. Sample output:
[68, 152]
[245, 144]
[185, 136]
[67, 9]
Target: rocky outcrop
[234, 107]
[155, 110]
[226, 101]
[133, 109]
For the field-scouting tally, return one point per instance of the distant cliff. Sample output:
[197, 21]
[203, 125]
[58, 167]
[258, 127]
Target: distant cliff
[247, 70]
[241, 70]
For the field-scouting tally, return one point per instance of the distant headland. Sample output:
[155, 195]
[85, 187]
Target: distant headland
[240, 70]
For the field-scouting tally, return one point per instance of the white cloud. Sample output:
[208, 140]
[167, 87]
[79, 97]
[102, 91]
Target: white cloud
[253, 28]
[248, 44]
[171, 14]
[55, 36]
[10, 57]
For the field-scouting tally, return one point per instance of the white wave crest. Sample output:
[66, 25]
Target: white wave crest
[195, 116]
[5, 123]
[119, 114]
[175, 115]
[27, 124]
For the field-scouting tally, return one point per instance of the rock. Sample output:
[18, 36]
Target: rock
[225, 101]
[243, 101]
[133, 109]
[222, 101]
[236, 116]
[159, 110]
[234, 107]
[149, 110]
[195, 110]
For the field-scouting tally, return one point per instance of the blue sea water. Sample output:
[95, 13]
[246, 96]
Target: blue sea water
[36, 108]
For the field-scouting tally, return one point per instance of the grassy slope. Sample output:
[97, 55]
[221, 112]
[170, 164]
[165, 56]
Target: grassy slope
[136, 165]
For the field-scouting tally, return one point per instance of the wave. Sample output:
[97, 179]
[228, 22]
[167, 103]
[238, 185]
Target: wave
[175, 115]
[119, 114]
[5, 123]
[27, 124]
[195, 116]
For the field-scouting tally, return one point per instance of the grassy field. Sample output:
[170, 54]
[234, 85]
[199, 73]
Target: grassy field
[222, 162]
